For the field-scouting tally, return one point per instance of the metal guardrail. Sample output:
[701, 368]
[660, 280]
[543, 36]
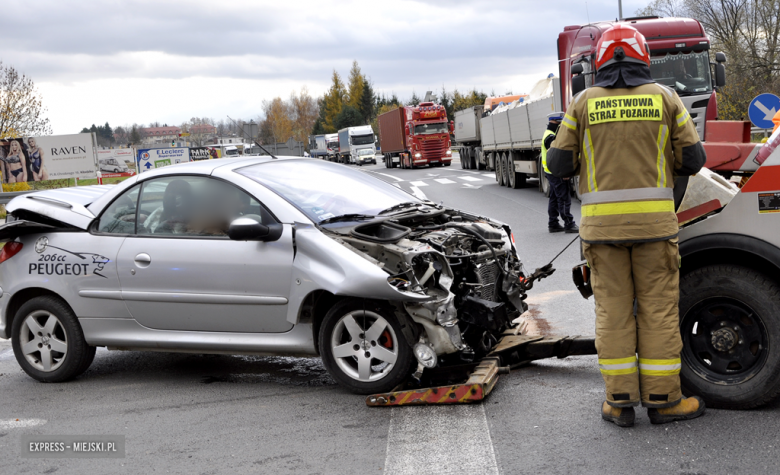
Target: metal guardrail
[8, 196]
[759, 130]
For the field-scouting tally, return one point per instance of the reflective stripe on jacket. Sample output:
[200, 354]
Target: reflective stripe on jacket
[627, 146]
[547, 133]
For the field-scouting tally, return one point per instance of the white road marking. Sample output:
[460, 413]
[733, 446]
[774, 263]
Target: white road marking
[396, 184]
[418, 183]
[418, 193]
[469, 178]
[389, 176]
[443, 181]
[21, 423]
[439, 440]
[491, 175]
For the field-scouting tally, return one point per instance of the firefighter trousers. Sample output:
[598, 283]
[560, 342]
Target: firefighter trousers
[639, 356]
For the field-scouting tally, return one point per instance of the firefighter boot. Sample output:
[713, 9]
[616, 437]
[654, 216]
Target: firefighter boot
[687, 408]
[621, 416]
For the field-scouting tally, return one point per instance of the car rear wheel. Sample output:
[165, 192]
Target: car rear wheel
[363, 348]
[48, 341]
[731, 336]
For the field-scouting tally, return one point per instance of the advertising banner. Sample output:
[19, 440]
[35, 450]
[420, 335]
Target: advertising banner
[116, 162]
[151, 158]
[49, 157]
[199, 153]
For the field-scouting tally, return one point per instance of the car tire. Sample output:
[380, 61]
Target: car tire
[739, 305]
[47, 320]
[344, 342]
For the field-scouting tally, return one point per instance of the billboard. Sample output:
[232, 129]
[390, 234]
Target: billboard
[116, 162]
[49, 157]
[199, 153]
[151, 158]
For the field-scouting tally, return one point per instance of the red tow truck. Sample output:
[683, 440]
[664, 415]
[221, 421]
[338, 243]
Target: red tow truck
[415, 136]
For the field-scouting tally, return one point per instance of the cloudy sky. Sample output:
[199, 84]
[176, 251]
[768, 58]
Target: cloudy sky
[168, 60]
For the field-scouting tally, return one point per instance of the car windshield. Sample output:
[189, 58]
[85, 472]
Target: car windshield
[362, 139]
[428, 129]
[685, 73]
[323, 190]
[365, 151]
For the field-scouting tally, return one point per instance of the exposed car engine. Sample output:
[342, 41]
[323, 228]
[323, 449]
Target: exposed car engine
[467, 266]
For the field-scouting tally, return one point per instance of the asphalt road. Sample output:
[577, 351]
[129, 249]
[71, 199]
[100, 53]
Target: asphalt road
[182, 413]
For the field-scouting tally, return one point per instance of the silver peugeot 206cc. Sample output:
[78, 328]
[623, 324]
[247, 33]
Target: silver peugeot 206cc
[265, 256]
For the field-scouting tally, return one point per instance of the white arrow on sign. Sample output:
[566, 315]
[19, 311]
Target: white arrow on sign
[769, 113]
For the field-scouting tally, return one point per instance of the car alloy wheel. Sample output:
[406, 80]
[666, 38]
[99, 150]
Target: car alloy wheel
[364, 346]
[43, 341]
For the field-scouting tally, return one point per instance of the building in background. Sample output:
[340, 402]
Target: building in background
[159, 135]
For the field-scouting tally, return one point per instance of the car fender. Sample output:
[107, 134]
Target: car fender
[321, 263]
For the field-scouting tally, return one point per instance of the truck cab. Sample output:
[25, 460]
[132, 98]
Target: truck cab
[354, 139]
[679, 56]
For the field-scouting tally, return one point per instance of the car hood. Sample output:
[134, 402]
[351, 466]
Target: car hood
[64, 205]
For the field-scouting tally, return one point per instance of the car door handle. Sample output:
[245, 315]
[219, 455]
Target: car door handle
[143, 259]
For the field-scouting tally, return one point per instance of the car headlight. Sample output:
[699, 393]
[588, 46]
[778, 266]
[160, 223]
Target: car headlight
[449, 152]
[425, 355]
[417, 155]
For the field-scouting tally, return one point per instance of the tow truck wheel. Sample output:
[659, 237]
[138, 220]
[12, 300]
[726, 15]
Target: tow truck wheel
[731, 336]
[363, 348]
[48, 341]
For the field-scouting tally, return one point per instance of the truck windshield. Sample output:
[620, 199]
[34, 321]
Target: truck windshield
[333, 145]
[362, 139]
[428, 129]
[685, 73]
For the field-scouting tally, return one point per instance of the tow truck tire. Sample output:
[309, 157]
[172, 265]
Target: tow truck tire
[737, 309]
[336, 339]
[48, 320]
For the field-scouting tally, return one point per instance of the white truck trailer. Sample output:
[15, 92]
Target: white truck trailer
[354, 139]
[508, 139]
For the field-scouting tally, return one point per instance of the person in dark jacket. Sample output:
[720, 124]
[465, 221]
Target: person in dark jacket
[560, 199]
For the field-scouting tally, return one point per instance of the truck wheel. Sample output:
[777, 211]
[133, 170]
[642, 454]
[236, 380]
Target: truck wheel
[731, 336]
[48, 341]
[511, 176]
[544, 185]
[507, 166]
[499, 170]
[465, 159]
[363, 348]
[575, 188]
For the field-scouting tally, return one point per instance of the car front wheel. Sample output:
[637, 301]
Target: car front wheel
[48, 342]
[363, 348]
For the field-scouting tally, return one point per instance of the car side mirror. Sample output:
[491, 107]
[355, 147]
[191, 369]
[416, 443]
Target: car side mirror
[249, 229]
[720, 74]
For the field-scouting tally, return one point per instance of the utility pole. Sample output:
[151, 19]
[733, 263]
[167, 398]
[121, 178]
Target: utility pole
[620, 10]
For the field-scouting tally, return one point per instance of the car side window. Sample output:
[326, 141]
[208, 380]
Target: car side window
[194, 206]
[120, 216]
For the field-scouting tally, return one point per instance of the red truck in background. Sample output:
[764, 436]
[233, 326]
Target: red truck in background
[680, 59]
[414, 136]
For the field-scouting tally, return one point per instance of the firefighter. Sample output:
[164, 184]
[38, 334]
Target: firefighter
[560, 199]
[628, 138]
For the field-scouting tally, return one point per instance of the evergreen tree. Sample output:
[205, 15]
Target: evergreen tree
[414, 100]
[333, 102]
[367, 100]
[348, 117]
[356, 85]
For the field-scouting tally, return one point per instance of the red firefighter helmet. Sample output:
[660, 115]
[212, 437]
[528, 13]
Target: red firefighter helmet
[622, 43]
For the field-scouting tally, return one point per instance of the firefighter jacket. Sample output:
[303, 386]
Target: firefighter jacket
[627, 145]
[547, 140]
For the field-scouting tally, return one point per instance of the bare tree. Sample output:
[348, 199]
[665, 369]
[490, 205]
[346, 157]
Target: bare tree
[21, 109]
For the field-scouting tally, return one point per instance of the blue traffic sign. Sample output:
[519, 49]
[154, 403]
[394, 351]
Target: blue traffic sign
[762, 109]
